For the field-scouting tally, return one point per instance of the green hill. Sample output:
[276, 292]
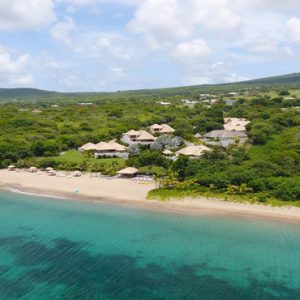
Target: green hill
[25, 93]
[275, 82]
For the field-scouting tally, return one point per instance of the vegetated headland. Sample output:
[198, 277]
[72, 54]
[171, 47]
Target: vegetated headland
[238, 142]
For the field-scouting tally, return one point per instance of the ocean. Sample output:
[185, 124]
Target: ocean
[61, 249]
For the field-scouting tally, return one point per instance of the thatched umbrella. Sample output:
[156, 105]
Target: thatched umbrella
[130, 172]
[77, 174]
[33, 169]
[168, 152]
[11, 168]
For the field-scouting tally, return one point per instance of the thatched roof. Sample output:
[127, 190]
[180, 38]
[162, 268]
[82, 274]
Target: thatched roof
[167, 152]
[110, 146]
[133, 133]
[223, 134]
[145, 136]
[163, 128]
[235, 124]
[166, 129]
[196, 150]
[88, 146]
[155, 127]
[117, 146]
[128, 171]
[77, 174]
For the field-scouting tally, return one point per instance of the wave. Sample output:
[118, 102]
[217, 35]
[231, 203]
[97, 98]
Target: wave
[16, 191]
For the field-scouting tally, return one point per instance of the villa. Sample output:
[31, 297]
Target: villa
[235, 124]
[87, 147]
[231, 102]
[102, 149]
[225, 138]
[162, 129]
[138, 137]
[193, 151]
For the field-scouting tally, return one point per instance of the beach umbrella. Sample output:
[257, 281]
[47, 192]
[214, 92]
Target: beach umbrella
[167, 152]
[32, 169]
[77, 173]
[11, 167]
[49, 169]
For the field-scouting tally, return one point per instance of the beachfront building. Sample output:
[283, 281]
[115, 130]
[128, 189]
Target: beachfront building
[162, 129]
[106, 149]
[128, 172]
[193, 151]
[225, 138]
[235, 124]
[112, 149]
[138, 137]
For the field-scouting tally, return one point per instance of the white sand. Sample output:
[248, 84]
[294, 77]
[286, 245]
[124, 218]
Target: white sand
[131, 193]
[122, 189]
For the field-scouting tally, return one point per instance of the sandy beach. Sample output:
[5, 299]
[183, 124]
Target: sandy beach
[131, 193]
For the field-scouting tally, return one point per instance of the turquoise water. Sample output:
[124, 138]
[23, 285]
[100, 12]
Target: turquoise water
[60, 249]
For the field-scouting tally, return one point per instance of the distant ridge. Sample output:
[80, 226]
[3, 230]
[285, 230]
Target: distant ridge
[290, 80]
[25, 92]
[293, 78]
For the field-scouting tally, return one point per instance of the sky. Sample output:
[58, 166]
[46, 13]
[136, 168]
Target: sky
[109, 45]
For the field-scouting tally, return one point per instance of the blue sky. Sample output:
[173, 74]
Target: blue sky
[108, 45]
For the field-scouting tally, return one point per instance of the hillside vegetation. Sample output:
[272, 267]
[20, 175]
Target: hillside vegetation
[290, 81]
[264, 169]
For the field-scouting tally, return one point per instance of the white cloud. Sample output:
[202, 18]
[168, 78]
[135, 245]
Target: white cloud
[105, 46]
[214, 15]
[235, 78]
[22, 15]
[293, 30]
[197, 80]
[192, 52]
[22, 80]
[267, 5]
[263, 44]
[14, 69]
[118, 73]
[62, 31]
[164, 22]
[160, 21]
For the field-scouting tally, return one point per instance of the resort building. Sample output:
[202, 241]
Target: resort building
[193, 151]
[198, 136]
[163, 103]
[235, 124]
[162, 129]
[87, 147]
[225, 138]
[138, 137]
[128, 172]
[112, 149]
[231, 102]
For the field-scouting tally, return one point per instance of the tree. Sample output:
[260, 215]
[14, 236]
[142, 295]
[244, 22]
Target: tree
[134, 150]
[283, 93]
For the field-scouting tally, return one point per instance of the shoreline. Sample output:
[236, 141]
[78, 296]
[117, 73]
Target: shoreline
[131, 194]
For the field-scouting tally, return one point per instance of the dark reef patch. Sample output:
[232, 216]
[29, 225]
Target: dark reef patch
[86, 276]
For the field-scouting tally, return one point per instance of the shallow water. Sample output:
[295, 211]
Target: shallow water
[60, 249]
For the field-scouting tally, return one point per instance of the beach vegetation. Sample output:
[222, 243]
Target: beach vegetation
[266, 168]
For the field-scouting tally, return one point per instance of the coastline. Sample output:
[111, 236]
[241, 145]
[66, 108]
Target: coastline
[132, 194]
